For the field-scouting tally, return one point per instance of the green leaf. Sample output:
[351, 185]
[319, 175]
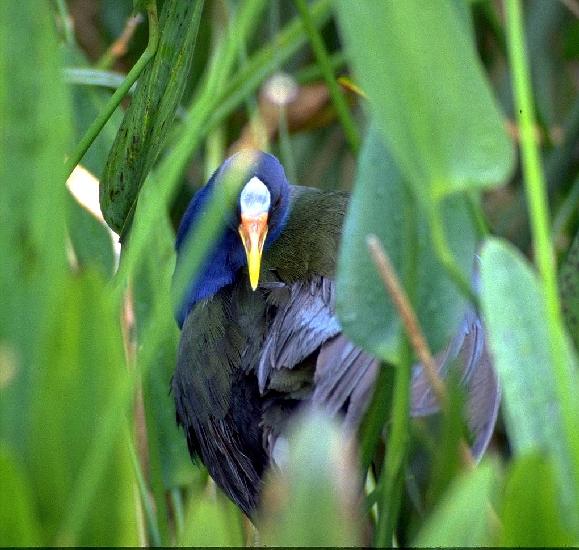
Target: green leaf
[531, 515]
[312, 501]
[150, 116]
[429, 96]
[82, 364]
[18, 521]
[462, 516]
[34, 111]
[515, 317]
[381, 204]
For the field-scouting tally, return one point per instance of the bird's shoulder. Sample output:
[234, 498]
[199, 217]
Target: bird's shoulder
[309, 242]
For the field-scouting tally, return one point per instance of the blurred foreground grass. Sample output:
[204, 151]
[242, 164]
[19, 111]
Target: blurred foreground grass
[89, 450]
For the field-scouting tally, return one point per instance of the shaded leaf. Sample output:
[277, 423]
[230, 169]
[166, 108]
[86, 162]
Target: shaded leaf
[381, 204]
[150, 116]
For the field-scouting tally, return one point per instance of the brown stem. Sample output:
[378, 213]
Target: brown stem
[411, 324]
[402, 303]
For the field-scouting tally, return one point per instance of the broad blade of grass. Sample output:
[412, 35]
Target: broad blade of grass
[19, 524]
[34, 133]
[82, 364]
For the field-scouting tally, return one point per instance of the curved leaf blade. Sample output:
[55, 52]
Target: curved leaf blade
[149, 118]
[429, 97]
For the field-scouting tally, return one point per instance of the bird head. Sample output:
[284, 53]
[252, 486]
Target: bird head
[257, 219]
[262, 209]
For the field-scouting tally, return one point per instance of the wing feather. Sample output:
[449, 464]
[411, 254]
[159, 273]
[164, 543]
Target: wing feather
[216, 395]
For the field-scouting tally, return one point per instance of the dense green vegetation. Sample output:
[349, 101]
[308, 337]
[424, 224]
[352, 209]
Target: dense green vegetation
[454, 123]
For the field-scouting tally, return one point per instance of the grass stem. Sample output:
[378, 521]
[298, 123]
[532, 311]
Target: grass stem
[326, 68]
[537, 203]
[446, 257]
[402, 304]
[397, 447]
[67, 26]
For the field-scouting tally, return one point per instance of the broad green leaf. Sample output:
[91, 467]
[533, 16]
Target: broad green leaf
[381, 204]
[18, 521]
[515, 317]
[81, 366]
[313, 500]
[34, 133]
[417, 63]
[531, 515]
[463, 516]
